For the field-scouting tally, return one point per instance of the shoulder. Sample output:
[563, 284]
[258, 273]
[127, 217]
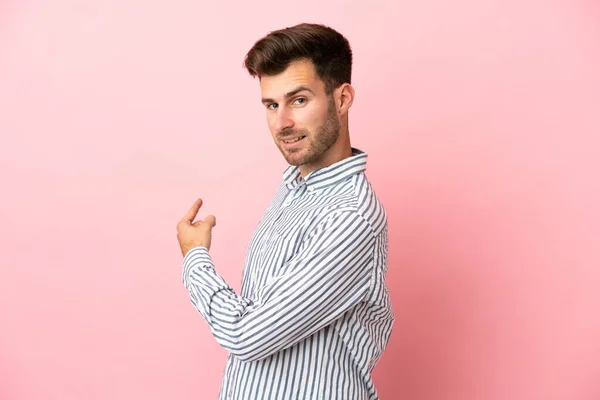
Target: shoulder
[353, 201]
[368, 204]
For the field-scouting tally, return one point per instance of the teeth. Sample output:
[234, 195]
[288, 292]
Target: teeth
[293, 141]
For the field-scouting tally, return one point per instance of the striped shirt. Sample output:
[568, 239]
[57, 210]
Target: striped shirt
[314, 314]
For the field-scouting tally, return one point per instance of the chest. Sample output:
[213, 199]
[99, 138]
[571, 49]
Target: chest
[285, 225]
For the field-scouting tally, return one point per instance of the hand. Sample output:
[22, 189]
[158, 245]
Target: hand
[193, 234]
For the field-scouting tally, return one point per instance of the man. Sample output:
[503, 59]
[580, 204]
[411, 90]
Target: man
[314, 314]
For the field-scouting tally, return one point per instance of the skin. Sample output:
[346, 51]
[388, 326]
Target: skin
[296, 105]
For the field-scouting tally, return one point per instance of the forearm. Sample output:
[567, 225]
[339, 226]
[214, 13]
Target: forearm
[209, 292]
[217, 302]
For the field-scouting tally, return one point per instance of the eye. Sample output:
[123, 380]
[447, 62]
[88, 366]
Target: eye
[272, 106]
[300, 101]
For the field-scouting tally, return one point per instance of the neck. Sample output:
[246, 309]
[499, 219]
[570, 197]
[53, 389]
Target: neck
[341, 150]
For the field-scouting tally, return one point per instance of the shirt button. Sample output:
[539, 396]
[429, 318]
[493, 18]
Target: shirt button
[311, 188]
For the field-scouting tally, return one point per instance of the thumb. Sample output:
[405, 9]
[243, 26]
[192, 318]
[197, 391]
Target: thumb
[211, 220]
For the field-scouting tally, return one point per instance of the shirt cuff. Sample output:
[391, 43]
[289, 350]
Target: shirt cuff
[196, 258]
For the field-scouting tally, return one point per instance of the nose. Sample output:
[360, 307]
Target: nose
[283, 119]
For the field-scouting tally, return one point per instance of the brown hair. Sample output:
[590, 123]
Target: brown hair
[328, 50]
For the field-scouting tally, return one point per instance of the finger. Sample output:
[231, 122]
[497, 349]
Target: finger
[191, 214]
[211, 220]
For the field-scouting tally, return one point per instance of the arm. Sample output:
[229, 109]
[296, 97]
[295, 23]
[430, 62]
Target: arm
[329, 275]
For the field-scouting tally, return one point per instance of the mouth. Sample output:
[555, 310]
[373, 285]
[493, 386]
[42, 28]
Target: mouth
[293, 140]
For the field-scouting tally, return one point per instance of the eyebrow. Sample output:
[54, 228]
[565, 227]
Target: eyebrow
[290, 94]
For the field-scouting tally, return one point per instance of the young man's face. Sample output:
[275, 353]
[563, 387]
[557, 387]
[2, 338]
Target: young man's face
[302, 118]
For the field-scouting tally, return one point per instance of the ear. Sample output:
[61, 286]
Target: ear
[344, 97]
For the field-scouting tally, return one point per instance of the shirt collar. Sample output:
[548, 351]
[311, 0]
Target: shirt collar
[329, 175]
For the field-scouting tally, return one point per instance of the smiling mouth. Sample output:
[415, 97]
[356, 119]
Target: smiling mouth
[290, 141]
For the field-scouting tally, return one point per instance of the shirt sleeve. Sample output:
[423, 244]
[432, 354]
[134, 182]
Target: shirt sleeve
[329, 275]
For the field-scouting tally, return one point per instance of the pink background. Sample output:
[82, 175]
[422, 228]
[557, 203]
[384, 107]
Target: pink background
[481, 119]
